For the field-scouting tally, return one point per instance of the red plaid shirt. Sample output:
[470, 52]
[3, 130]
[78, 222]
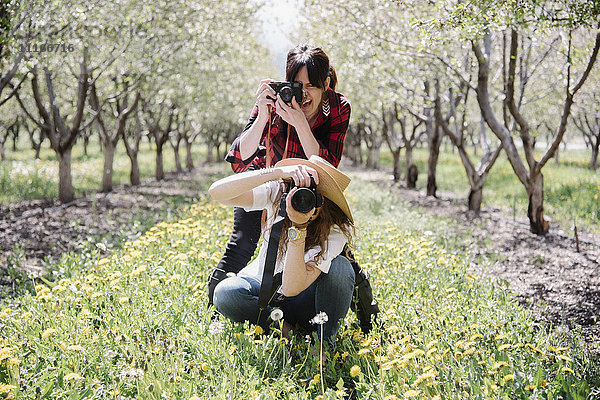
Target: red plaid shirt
[330, 133]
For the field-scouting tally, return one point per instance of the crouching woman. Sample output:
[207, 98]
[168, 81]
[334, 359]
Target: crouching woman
[315, 278]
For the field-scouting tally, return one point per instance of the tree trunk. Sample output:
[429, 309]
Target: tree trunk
[134, 175]
[397, 165]
[189, 161]
[408, 161]
[412, 174]
[434, 152]
[594, 160]
[37, 151]
[159, 173]
[209, 153]
[14, 140]
[86, 142]
[535, 210]
[107, 171]
[66, 193]
[2, 152]
[475, 198]
[178, 166]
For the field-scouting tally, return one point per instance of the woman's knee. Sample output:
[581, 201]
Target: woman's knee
[229, 292]
[341, 270]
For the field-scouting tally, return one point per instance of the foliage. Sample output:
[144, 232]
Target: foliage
[135, 325]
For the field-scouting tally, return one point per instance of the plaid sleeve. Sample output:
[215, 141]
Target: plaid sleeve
[234, 156]
[340, 118]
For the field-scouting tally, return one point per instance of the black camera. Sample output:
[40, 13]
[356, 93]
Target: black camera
[306, 198]
[287, 91]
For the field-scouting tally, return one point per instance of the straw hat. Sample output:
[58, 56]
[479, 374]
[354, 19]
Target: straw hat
[332, 182]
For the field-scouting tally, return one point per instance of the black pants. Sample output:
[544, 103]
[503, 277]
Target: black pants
[243, 240]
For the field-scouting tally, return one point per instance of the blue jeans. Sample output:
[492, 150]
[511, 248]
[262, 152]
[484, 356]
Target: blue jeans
[237, 298]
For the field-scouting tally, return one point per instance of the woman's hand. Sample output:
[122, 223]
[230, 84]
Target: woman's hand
[263, 93]
[292, 115]
[299, 173]
[296, 217]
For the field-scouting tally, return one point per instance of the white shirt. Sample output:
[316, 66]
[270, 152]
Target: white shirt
[265, 197]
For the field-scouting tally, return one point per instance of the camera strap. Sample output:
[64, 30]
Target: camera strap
[266, 287]
[268, 141]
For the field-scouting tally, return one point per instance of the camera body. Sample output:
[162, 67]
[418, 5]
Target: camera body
[306, 198]
[287, 91]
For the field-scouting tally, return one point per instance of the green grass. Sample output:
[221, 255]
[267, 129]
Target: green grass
[571, 190]
[135, 325]
[23, 178]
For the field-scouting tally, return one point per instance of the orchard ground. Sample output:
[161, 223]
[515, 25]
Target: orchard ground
[118, 307]
[547, 274]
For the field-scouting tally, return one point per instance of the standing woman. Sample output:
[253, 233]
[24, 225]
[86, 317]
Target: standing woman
[276, 131]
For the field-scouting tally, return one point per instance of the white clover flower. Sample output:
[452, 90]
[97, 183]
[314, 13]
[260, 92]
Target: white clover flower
[276, 314]
[215, 328]
[131, 375]
[319, 319]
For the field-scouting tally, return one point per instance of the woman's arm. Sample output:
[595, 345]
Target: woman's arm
[236, 190]
[297, 275]
[250, 138]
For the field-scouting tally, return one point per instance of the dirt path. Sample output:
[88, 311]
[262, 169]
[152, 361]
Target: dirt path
[546, 273]
[540, 270]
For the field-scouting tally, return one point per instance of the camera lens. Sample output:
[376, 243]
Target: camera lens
[303, 200]
[286, 94]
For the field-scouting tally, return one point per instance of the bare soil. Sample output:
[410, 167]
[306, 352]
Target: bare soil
[559, 284]
[547, 274]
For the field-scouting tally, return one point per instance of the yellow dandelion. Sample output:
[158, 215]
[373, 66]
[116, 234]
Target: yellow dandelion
[567, 369]
[436, 397]
[504, 346]
[529, 387]
[5, 388]
[354, 371]
[508, 378]
[411, 393]
[363, 351]
[499, 364]
[564, 358]
[76, 347]
[48, 332]
[73, 377]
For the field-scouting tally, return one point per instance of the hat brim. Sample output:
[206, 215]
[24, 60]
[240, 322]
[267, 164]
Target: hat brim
[327, 185]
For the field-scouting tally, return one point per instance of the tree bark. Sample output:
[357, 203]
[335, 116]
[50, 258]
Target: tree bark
[475, 198]
[134, 175]
[397, 165]
[159, 171]
[594, 159]
[535, 210]
[66, 192]
[434, 152]
[189, 161]
[107, 171]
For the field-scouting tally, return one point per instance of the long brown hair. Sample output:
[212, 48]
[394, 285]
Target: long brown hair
[318, 230]
[316, 62]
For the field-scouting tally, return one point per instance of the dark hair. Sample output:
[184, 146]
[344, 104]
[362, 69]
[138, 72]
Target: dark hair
[316, 62]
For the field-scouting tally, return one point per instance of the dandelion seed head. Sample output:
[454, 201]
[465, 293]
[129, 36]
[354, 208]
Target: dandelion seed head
[319, 319]
[215, 328]
[276, 314]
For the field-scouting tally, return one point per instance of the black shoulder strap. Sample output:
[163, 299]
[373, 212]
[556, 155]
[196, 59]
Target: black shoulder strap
[266, 286]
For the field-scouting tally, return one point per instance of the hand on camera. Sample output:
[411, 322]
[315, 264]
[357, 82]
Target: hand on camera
[297, 217]
[293, 114]
[300, 174]
[262, 97]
